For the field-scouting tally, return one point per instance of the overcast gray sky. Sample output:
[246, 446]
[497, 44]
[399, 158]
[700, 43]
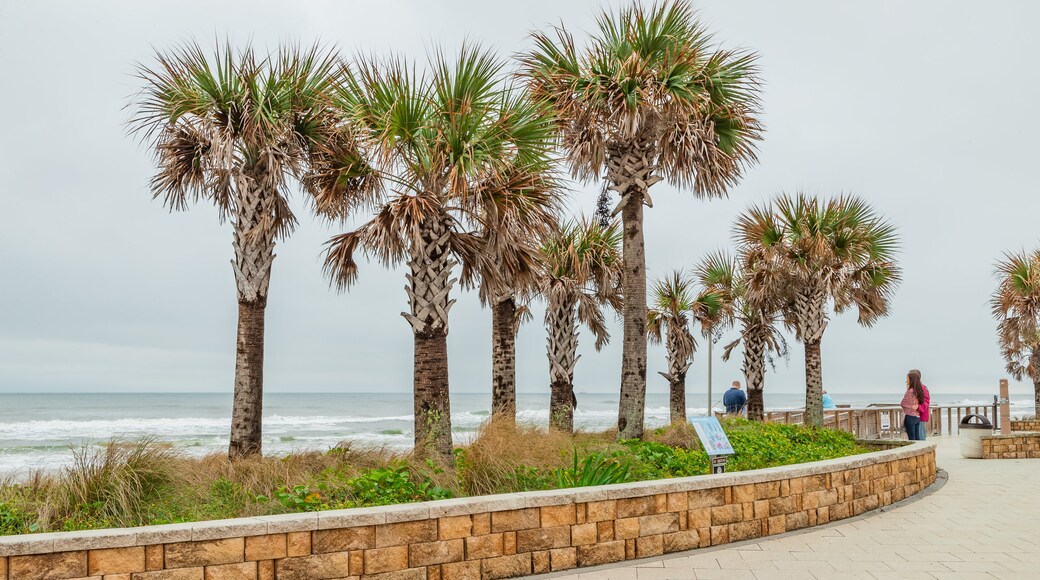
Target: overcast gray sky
[926, 109]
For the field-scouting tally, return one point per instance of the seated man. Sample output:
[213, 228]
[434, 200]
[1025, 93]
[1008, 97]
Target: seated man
[734, 399]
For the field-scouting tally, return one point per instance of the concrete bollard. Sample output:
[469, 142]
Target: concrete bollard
[1005, 408]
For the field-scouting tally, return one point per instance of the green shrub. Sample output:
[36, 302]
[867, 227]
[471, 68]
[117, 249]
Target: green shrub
[597, 469]
[390, 485]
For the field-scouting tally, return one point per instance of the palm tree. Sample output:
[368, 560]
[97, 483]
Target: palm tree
[650, 98]
[581, 272]
[454, 146]
[726, 284]
[234, 130]
[829, 253]
[1016, 305]
[668, 320]
[512, 235]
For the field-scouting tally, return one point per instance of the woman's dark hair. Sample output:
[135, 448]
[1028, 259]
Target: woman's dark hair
[914, 378]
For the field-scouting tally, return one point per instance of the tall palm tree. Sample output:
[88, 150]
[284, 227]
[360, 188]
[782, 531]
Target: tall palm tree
[673, 303]
[835, 253]
[450, 145]
[235, 129]
[512, 235]
[758, 314]
[1016, 305]
[581, 272]
[651, 97]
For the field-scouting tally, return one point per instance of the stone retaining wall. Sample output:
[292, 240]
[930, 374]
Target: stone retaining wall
[1026, 425]
[484, 537]
[1015, 446]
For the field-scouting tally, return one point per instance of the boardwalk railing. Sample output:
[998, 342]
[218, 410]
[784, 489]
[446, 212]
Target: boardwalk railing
[885, 421]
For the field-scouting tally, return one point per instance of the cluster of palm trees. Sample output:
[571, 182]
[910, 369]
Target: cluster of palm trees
[796, 259]
[459, 166]
[1016, 306]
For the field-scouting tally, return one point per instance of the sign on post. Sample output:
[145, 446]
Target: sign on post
[714, 441]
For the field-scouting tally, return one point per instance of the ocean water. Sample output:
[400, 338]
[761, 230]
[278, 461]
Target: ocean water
[41, 430]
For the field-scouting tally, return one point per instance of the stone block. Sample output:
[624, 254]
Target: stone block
[761, 509]
[298, 544]
[439, 552]
[698, 518]
[433, 573]
[195, 573]
[626, 528]
[3, 567]
[719, 535]
[604, 531]
[743, 493]
[637, 506]
[56, 566]
[512, 520]
[605, 553]
[387, 559]
[240, 571]
[540, 562]
[270, 547]
[265, 570]
[584, 534]
[481, 524]
[505, 566]
[407, 574]
[796, 521]
[767, 490]
[205, 553]
[404, 533]
[648, 546]
[745, 530]
[776, 525]
[332, 565]
[665, 523]
[461, 571]
[706, 498]
[785, 505]
[488, 546]
[543, 538]
[153, 557]
[509, 543]
[558, 515]
[363, 538]
[454, 527]
[115, 561]
[630, 549]
[678, 501]
[727, 514]
[563, 559]
[680, 541]
[598, 511]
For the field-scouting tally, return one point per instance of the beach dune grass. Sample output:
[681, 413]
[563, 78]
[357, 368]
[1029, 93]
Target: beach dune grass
[134, 483]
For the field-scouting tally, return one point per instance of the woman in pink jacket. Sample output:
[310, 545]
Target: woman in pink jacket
[915, 403]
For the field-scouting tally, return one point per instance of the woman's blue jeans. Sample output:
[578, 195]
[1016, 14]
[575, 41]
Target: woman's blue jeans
[913, 427]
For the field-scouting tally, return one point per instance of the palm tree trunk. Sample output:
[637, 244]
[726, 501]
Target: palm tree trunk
[1036, 399]
[253, 243]
[813, 384]
[677, 399]
[562, 349]
[430, 284]
[630, 172]
[503, 360]
[247, 409]
[432, 407]
[755, 375]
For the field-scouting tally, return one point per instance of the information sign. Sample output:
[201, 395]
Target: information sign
[712, 437]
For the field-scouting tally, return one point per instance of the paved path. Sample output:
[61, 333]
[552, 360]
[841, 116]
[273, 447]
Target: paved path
[984, 523]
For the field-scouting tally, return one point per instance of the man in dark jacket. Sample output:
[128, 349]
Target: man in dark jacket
[734, 399]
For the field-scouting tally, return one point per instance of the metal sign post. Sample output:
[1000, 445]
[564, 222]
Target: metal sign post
[718, 464]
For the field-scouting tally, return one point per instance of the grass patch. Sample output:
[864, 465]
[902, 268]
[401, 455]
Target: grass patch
[126, 484]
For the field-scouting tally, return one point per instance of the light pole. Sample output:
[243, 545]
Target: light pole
[710, 342]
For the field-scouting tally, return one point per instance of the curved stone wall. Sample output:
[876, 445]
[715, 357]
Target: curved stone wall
[486, 537]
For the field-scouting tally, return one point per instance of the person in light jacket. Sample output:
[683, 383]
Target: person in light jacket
[911, 403]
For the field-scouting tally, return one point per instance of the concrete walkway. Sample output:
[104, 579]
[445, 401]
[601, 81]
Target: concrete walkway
[983, 523]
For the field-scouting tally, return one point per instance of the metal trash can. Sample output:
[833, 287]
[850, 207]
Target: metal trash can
[972, 434]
